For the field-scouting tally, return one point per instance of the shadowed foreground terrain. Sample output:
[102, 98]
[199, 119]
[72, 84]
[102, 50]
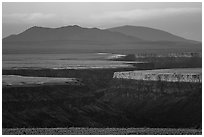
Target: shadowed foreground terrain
[101, 131]
[102, 102]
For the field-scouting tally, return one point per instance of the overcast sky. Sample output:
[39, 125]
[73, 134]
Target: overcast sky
[183, 19]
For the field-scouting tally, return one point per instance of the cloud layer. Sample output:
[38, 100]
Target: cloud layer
[27, 17]
[110, 16]
[144, 14]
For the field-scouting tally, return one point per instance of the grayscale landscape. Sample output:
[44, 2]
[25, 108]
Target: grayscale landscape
[122, 70]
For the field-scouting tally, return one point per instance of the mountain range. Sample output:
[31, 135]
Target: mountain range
[67, 38]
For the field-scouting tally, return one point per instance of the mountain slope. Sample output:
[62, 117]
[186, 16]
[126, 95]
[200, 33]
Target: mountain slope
[69, 33]
[77, 39]
[148, 34]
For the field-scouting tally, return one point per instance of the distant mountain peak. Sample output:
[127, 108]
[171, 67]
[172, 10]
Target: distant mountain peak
[70, 26]
[76, 26]
[38, 27]
[75, 37]
[35, 28]
[71, 33]
[63, 27]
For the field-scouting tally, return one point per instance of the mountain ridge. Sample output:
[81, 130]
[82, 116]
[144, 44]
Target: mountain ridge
[69, 33]
[126, 30]
[66, 38]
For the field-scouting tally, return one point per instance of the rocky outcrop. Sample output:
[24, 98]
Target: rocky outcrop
[160, 75]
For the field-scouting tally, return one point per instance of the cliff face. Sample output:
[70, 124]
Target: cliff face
[160, 75]
[157, 104]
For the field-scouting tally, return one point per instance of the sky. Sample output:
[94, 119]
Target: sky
[180, 18]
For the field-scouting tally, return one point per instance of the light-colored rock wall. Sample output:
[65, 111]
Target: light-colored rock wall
[159, 76]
